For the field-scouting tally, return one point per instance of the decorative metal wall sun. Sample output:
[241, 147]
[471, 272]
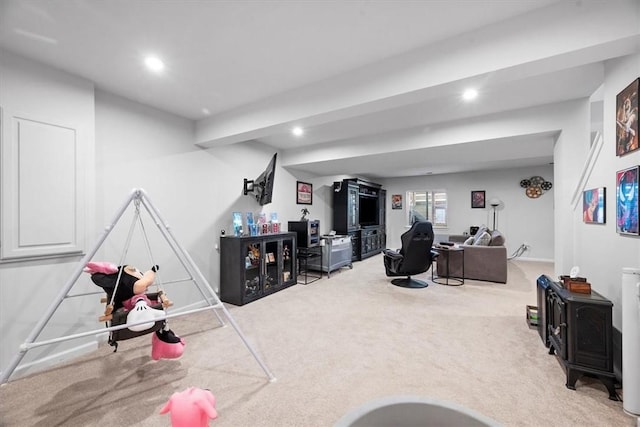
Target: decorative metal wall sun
[535, 186]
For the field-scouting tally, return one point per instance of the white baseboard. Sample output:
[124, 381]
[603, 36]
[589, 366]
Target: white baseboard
[531, 259]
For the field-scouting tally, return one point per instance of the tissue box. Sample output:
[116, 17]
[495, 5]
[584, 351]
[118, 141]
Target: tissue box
[576, 284]
[578, 287]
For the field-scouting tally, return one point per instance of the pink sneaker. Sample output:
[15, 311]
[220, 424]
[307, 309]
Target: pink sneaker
[166, 345]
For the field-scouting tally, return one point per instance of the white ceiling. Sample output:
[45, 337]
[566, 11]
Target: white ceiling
[348, 71]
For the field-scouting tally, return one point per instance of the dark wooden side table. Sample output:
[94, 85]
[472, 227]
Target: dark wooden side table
[445, 253]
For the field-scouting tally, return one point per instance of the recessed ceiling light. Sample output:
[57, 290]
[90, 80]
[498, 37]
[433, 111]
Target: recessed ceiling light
[154, 63]
[470, 94]
[297, 131]
[206, 111]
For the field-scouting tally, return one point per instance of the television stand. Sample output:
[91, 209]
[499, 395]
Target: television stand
[359, 211]
[372, 241]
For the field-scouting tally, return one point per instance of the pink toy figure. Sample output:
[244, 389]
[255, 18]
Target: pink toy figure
[191, 408]
[166, 345]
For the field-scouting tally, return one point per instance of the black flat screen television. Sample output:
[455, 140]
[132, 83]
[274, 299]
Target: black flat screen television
[262, 186]
[368, 211]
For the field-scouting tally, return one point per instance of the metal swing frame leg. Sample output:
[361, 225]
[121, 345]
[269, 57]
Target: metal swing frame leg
[186, 261]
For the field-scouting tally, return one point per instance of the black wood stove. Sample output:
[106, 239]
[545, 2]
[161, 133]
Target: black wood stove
[579, 331]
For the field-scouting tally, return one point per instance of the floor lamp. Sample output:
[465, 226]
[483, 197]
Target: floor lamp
[494, 205]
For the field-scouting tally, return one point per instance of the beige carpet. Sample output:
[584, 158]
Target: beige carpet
[333, 345]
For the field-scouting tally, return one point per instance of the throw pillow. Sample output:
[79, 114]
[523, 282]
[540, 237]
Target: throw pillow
[482, 230]
[483, 240]
[497, 239]
[469, 241]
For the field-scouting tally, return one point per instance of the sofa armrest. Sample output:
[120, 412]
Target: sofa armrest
[458, 238]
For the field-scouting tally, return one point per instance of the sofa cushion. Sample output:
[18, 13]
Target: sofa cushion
[469, 241]
[497, 239]
[483, 240]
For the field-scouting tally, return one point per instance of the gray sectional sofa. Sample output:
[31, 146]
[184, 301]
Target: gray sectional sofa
[483, 260]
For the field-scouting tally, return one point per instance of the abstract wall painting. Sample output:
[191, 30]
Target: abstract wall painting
[627, 201]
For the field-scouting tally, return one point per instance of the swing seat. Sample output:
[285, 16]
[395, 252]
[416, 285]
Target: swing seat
[159, 301]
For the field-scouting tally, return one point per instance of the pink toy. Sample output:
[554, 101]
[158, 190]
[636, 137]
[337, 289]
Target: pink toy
[191, 408]
[100, 267]
[166, 345]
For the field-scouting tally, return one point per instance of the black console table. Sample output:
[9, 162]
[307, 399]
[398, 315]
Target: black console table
[580, 332]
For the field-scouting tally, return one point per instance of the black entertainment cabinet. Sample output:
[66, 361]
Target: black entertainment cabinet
[578, 328]
[359, 210]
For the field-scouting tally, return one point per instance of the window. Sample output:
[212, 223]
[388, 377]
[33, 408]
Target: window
[428, 205]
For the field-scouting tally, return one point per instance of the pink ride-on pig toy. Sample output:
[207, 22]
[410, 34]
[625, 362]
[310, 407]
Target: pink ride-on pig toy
[192, 407]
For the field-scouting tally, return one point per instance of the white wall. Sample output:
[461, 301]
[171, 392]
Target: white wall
[598, 250]
[521, 219]
[28, 287]
[140, 147]
[569, 156]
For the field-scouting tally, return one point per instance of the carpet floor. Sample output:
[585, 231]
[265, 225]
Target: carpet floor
[333, 345]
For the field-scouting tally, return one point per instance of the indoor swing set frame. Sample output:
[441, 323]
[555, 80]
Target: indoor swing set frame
[138, 197]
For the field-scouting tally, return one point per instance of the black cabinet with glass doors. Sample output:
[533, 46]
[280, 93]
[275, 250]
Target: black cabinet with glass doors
[252, 267]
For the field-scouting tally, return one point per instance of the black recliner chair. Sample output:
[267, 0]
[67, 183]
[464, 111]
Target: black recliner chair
[414, 257]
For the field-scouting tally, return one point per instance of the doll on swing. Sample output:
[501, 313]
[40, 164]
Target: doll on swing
[129, 302]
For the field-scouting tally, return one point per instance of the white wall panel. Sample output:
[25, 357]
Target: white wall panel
[42, 186]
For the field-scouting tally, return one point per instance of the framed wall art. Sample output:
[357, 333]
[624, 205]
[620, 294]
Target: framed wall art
[304, 193]
[627, 119]
[477, 199]
[627, 201]
[396, 201]
[594, 206]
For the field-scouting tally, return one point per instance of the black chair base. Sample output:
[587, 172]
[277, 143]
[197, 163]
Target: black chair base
[408, 282]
